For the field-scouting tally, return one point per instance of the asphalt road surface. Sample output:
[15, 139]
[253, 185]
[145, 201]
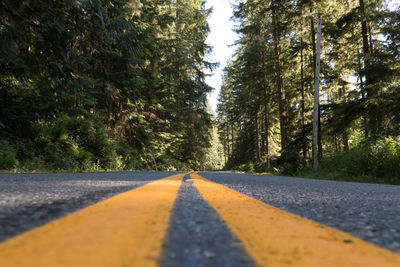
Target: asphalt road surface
[197, 233]
[30, 200]
[368, 211]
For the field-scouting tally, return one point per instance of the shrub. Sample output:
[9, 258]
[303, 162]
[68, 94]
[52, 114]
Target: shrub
[377, 161]
[248, 167]
[290, 162]
[171, 164]
[385, 159]
[8, 155]
[194, 164]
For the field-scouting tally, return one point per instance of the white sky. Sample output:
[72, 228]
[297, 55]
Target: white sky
[393, 4]
[220, 37]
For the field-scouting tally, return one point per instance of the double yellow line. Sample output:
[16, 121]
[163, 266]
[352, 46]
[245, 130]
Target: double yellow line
[125, 230]
[274, 237]
[128, 230]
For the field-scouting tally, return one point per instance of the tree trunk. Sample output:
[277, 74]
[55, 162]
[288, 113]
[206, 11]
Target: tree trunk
[266, 110]
[316, 122]
[258, 149]
[304, 143]
[232, 137]
[319, 139]
[345, 141]
[312, 38]
[373, 118]
[224, 140]
[364, 33]
[320, 151]
[371, 47]
[335, 143]
[227, 140]
[363, 96]
[262, 131]
[279, 77]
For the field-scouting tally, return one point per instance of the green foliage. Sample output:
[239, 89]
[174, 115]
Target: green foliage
[7, 155]
[103, 85]
[290, 162]
[385, 159]
[249, 168]
[214, 156]
[265, 114]
[171, 164]
[377, 161]
[194, 165]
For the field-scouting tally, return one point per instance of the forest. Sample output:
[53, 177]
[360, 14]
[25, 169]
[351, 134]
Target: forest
[91, 85]
[265, 114]
[99, 85]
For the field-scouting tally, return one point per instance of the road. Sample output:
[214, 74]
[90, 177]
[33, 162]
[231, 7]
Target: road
[205, 219]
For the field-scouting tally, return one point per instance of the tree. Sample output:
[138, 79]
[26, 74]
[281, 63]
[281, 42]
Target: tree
[109, 83]
[268, 86]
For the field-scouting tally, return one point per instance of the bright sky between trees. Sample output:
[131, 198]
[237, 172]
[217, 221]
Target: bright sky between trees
[220, 37]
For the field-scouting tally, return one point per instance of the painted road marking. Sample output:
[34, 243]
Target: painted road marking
[125, 230]
[274, 237]
[198, 237]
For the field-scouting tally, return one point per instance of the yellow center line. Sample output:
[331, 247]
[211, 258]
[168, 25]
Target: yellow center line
[274, 237]
[125, 230]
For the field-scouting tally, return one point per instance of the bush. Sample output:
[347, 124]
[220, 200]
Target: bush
[131, 161]
[194, 165]
[8, 155]
[78, 144]
[377, 161]
[166, 163]
[290, 162]
[248, 167]
[385, 159]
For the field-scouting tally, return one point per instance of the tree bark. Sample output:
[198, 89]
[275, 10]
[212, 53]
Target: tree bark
[279, 77]
[224, 140]
[316, 122]
[320, 150]
[227, 140]
[262, 140]
[345, 141]
[319, 139]
[266, 110]
[304, 144]
[258, 149]
[364, 32]
[373, 118]
[312, 37]
[232, 137]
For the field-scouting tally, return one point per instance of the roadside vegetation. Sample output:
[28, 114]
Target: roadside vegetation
[266, 105]
[377, 162]
[98, 85]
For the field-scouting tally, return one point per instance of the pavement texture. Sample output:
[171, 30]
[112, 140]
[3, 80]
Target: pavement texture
[198, 237]
[368, 211]
[30, 200]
